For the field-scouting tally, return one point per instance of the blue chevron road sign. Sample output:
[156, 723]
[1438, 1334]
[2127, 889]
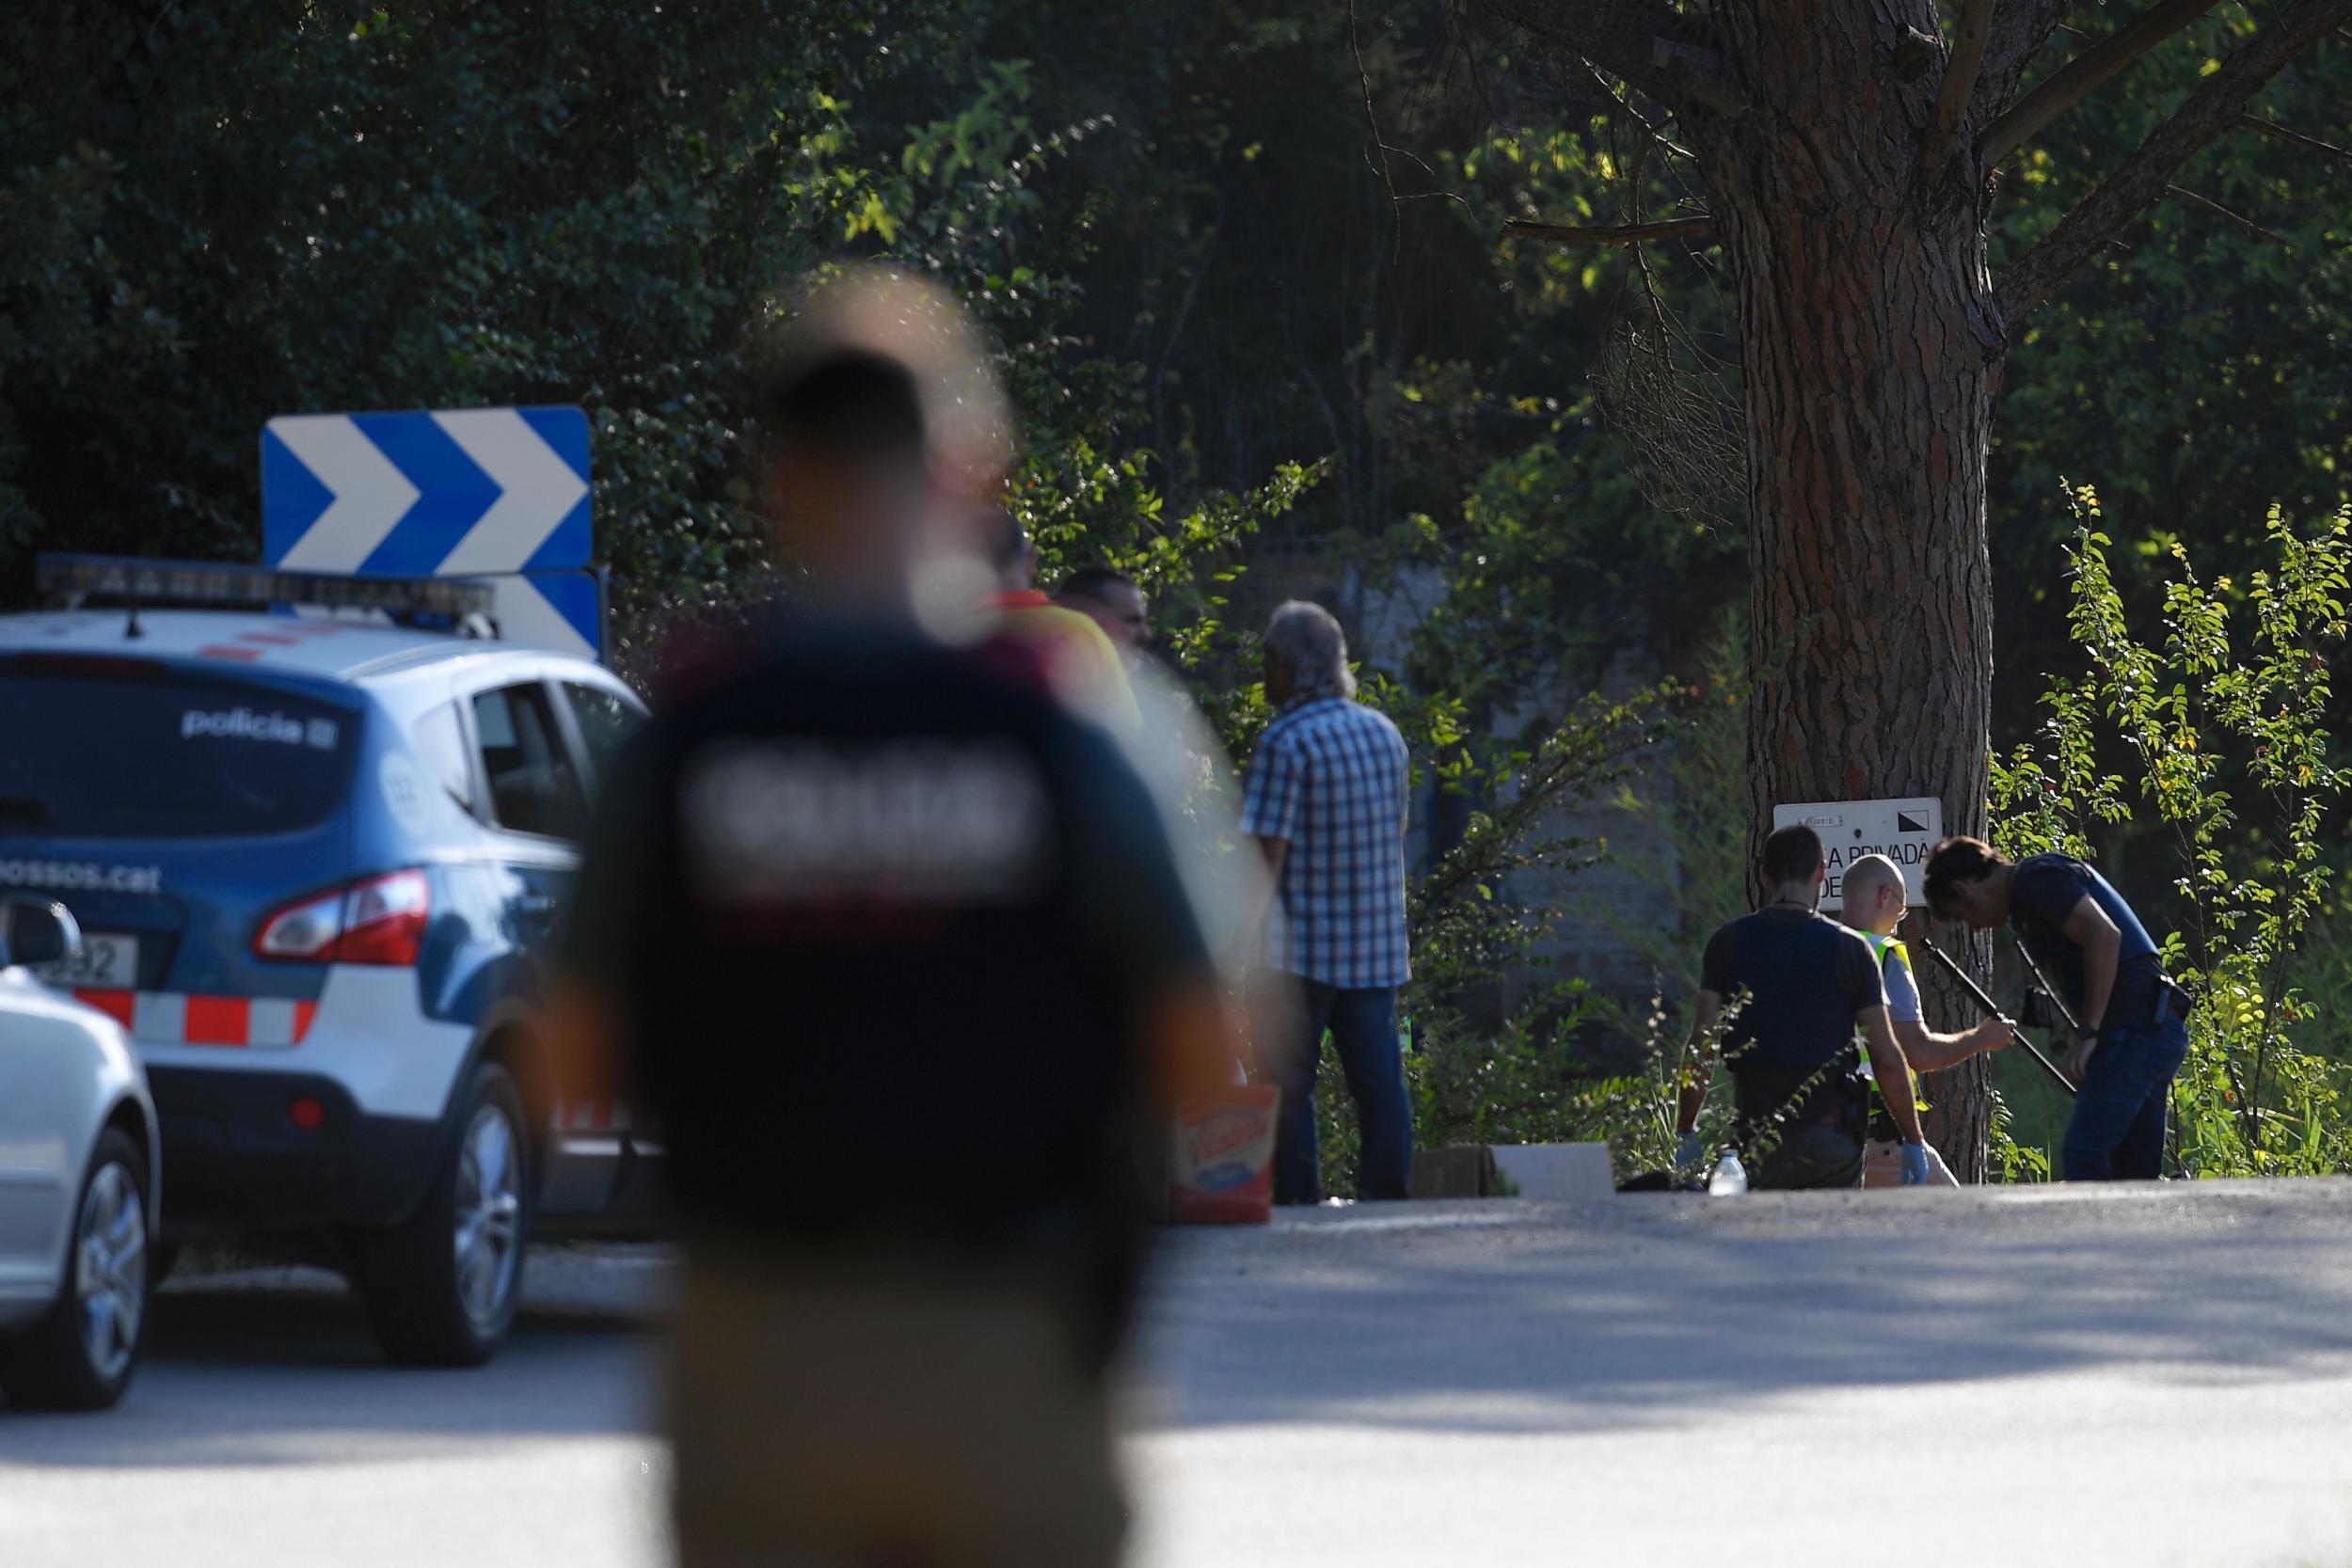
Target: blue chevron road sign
[499, 494]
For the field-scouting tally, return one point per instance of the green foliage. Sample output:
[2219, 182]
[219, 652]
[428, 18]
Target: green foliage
[1527, 1082]
[283, 207]
[2225, 725]
[2203, 399]
[219, 214]
[2006, 1160]
[1694, 783]
[1701, 800]
[1522, 1085]
[1226, 312]
[1462, 931]
[1277, 305]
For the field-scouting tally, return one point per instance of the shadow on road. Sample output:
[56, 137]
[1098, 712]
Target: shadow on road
[1659, 1310]
[288, 1331]
[239, 1375]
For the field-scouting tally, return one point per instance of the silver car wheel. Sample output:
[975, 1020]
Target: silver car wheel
[489, 1216]
[110, 1270]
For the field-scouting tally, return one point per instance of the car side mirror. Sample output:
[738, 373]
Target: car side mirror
[35, 933]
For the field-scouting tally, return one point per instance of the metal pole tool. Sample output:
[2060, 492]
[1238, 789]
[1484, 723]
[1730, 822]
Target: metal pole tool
[1992, 1009]
[2041, 983]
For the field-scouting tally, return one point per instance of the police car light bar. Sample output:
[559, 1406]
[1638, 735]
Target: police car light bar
[155, 583]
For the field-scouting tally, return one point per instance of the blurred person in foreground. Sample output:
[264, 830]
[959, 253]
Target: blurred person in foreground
[1084, 663]
[1787, 988]
[1181, 758]
[1112, 601]
[1873, 901]
[892, 947]
[1327, 798]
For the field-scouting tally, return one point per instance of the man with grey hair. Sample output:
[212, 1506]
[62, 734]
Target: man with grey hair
[1872, 902]
[1327, 799]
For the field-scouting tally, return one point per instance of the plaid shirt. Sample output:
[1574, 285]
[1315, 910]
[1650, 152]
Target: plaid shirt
[1330, 779]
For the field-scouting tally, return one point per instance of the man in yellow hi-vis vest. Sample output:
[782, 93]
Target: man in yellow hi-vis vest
[1873, 893]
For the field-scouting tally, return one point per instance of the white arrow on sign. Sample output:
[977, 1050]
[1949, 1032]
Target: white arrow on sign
[539, 490]
[370, 495]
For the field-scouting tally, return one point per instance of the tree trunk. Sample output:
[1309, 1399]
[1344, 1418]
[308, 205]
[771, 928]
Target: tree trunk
[1873, 342]
[1871, 346]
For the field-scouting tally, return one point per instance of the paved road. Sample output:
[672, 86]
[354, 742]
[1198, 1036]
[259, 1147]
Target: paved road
[2156, 1378]
[264, 1430]
[2060, 1376]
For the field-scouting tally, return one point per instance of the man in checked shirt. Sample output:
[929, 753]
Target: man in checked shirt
[1326, 800]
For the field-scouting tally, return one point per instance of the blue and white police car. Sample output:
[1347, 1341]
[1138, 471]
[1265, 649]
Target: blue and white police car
[315, 854]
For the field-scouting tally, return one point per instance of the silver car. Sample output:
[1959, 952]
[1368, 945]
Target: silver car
[78, 1177]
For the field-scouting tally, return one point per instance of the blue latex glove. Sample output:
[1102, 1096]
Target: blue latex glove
[1914, 1164]
[1689, 1153]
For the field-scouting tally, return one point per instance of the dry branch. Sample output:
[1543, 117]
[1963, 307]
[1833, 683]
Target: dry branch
[2080, 77]
[1700, 228]
[2295, 138]
[2212, 107]
[1658, 137]
[2210, 205]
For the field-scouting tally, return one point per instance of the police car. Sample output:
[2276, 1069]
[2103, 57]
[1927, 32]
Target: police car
[315, 853]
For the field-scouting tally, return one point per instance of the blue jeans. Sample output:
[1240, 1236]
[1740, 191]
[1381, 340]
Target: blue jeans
[1363, 1026]
[2118, 1131]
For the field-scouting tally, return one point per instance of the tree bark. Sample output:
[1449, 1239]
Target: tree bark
[1873, 342]
[1871, 348]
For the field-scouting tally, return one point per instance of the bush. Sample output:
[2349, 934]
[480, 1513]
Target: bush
[1523, 1085]
[2228, 735]
[1529, 1080]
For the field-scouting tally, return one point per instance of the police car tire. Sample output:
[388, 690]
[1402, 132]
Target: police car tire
[408, 1276]
[47, 1365]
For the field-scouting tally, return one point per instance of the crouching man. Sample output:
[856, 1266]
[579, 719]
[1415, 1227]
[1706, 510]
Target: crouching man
[1874, 906]
[1803, 985]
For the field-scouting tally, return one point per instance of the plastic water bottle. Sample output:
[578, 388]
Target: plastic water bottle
[1730, 1175]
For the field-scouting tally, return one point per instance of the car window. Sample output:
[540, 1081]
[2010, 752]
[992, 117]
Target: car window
[441, 746]
[604, 722]
[534, 786]
[87, 748]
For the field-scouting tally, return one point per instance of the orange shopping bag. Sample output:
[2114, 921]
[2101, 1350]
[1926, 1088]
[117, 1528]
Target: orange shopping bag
[1224, 1167]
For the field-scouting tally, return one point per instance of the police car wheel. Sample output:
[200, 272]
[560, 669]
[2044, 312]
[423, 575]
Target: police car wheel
[441, 1288]
[80, 1355]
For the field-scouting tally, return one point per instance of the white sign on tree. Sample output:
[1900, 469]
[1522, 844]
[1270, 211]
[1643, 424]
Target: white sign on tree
[1902, 830]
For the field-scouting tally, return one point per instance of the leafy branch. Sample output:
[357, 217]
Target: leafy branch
[2208, 716]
